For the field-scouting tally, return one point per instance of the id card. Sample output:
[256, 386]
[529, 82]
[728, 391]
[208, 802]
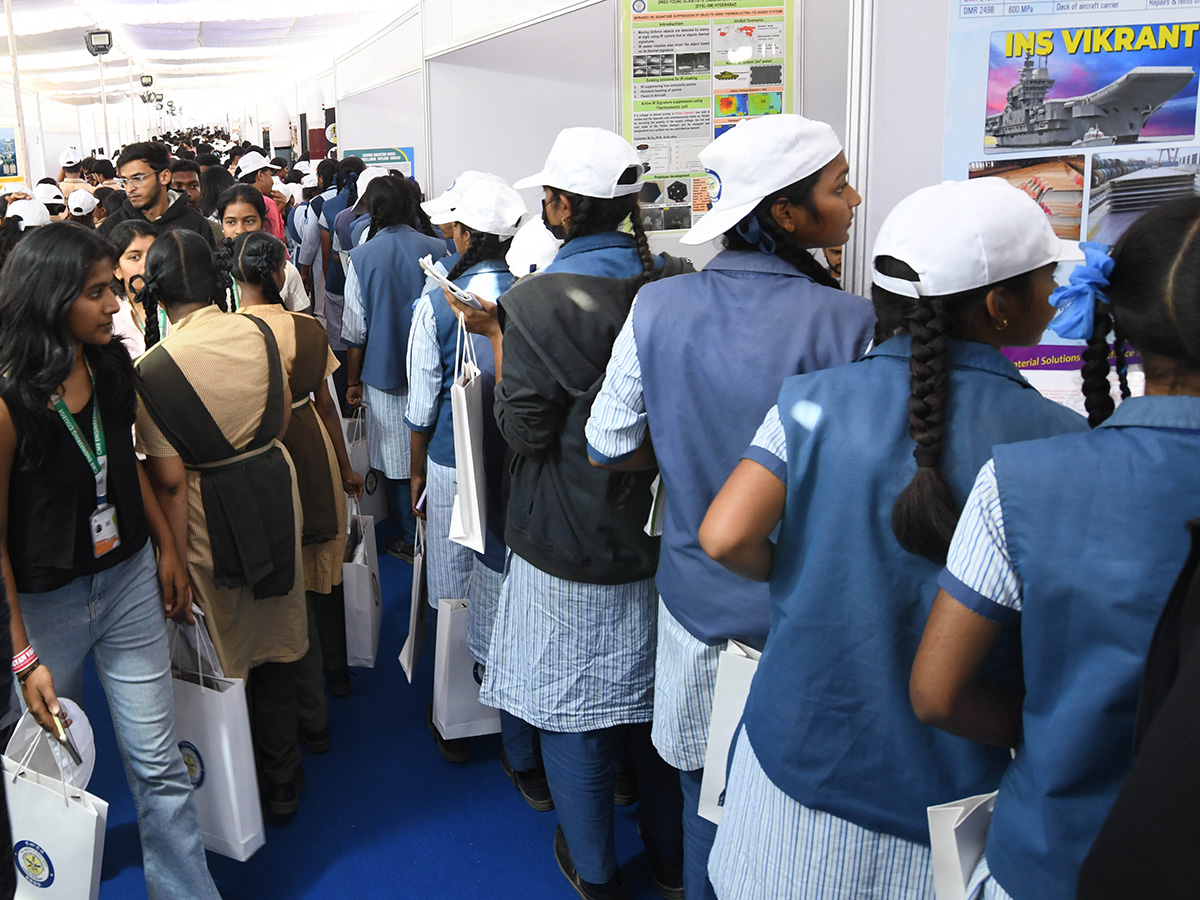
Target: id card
[103, 526]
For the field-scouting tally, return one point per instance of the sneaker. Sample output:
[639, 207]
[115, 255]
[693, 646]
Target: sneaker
[531, 783]
[399, 548]
[625, 789]
[318, 741]
[456, 751]
[282, 800]
[337, 681]
[585, 889]
[667, 877]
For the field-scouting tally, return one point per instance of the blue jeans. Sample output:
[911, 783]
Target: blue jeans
[698, 837]
[580, 770]
[521, 745]
[117, 616]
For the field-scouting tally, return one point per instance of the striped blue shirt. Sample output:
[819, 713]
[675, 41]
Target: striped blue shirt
[424, 363]
[617, 425]
[769, 447]
[354, 313]
[979, 572]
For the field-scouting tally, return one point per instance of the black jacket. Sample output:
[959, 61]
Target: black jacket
[178, 215]
[565, 516]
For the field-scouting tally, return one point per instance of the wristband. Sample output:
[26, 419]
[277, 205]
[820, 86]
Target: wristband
[24, 674]
[23, 659]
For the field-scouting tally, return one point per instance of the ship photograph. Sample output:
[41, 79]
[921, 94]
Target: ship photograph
[1088, 100]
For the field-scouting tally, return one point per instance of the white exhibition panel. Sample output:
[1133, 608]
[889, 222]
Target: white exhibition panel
[391, 115]
[394, 52]
[452, 23]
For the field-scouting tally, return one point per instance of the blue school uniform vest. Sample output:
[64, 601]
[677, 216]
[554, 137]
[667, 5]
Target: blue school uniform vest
[828, 713]
[714, 348]
[1095, 525]
[390, 277]
[335, 278]
[609, 254]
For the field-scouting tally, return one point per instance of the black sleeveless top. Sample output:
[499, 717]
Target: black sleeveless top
[49, 507]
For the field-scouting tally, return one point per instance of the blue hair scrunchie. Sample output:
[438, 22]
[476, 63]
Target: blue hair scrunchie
[1076, 300]
[751, 232]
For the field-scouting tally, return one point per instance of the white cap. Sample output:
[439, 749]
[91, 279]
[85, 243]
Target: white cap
[81, 202]
[32, 212]
[441, 208]
[365, 177]
[490, 207]
[754, 158]
[310, 180]
[15, 187]
[48, 193]
[960, 235]
[303, 167]
[252, 162]
[532, 248]
[69, 157]
[588, 161]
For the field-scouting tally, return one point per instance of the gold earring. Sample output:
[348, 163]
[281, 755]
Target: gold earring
[1001, 326]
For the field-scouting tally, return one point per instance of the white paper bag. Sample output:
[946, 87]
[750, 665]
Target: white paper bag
[469, 514]
[957, 833]
[654, 522]
[57, 832]
[457, 712]
[418, 613]
[360, 584]
[374, 496]
[212, 725]
[342, 420]
[735, 671]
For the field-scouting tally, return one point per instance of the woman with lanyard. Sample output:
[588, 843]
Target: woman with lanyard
[80, 528]
[208, 429]
[692, 358]
[572, 648]
[324, 476]
[243, 208]
[487, 212]
[1035, 547]
[860, 467]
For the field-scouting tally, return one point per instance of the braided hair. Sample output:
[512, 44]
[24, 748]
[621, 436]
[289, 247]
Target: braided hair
[595, 215]
[180, 271]
[347, 175]
[1154, 305]
[390, 202]
[759, 230]
[482, 247]
[926, 513]
[425, 226]
[253, 257]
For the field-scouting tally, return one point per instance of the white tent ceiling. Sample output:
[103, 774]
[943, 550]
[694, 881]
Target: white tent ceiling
[214, 53]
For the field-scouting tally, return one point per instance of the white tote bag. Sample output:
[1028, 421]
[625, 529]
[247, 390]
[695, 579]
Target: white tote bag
[418, 613]
[360, 584]
[212, 725]
[457, 712]
[466, 405]
[957, 833]
[57, 832]
[735, 671]
[374, 496]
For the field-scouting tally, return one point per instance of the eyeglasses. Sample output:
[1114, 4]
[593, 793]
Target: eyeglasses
[137, 180]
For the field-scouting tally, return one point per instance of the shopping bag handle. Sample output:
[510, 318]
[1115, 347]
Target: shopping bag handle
[199, 624]
[23, 765]
[464, 349]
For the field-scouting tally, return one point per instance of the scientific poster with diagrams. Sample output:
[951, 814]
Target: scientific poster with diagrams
[692, 69]
[1090, 107]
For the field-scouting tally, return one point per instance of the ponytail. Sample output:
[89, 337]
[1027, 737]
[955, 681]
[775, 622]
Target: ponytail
[147, 296]
[1097, 394]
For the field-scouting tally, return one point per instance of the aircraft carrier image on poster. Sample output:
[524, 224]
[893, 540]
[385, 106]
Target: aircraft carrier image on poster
[1114, 114]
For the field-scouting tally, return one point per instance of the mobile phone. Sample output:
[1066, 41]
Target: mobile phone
[454, 289]
[64, 738]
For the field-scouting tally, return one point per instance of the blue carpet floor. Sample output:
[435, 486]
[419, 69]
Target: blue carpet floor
[383, 815]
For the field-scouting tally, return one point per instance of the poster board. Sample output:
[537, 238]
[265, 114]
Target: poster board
[690, 70]
[398, 158]
[9, 170]
[1090, 108]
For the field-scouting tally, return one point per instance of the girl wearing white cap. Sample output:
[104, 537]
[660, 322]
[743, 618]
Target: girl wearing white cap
[486, 212]
[831, 773]
[693, 357]
[572, 648]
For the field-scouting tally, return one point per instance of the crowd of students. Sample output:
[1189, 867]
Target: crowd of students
[953, 581]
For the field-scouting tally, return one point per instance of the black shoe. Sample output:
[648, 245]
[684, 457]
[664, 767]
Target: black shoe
[667, 877]
[283, 799]
[532, 785]
[625, 789]
[318, 741]
[337, 681]
[584, 889]
[399, 548]
[456, 751]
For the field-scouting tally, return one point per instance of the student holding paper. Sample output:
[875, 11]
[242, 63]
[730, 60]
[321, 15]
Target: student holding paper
[1034, 547]
[78, 551]
[831, 772]
[693, 356]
